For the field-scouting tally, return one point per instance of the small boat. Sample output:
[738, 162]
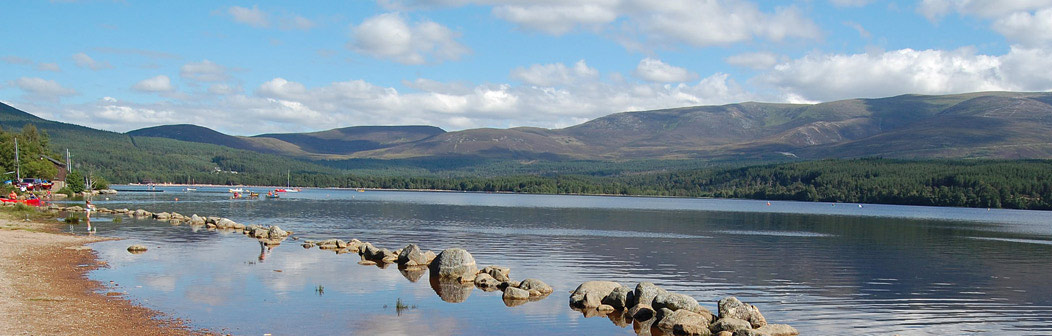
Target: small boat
[190, 189]
[30, 202]
[292, 190]
[236, 190]
[273, 195]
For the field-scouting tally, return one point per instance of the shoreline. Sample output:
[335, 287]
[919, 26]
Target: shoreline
[46, 291]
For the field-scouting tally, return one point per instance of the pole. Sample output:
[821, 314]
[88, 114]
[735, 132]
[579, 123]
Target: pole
[69, 166]
[18, 166]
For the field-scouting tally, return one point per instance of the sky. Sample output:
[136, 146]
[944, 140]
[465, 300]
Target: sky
[253, 67]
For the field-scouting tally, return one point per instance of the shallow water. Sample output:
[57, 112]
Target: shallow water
[822, 268]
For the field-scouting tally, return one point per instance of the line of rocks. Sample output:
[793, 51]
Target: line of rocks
[269, 235]
[453, 271]
[649, 306]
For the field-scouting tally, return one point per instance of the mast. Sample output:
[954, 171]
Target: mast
[288, 178]
[18, 166]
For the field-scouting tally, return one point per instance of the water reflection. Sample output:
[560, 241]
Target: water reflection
[818, 268]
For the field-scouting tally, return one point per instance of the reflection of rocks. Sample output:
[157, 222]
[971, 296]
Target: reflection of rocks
[412, 273]
[451, 290]
[514, 302]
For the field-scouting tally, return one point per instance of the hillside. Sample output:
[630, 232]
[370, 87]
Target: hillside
[128, 158]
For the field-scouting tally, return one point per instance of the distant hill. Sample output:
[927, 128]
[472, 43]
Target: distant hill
[1000, 125]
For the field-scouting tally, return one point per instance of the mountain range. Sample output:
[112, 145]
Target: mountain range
[1006, 125]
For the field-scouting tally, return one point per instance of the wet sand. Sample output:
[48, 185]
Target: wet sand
[44, 289]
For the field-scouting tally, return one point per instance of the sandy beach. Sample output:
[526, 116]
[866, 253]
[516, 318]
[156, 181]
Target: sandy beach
[44, 289]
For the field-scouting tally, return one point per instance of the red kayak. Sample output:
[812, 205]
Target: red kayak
[33, 202]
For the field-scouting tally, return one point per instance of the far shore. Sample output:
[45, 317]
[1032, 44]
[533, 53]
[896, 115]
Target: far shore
[45, 289]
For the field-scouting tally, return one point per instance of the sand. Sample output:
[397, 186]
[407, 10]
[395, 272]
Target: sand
[44, 289]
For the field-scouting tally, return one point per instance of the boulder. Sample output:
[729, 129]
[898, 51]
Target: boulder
[512, 293]
[641, 312]
[645, 293]
[675, 301]
[197, 220]
[509, 283]
[485, 281]
[307, 245]
[725, 333]
[276, 232]
[729, 324]
[212, 220]
[137, 248]
[605, 308]
[412, 256]
[684, 322]
[330, 244]
[226, 223]
[162, 216]
[536, 285]
[429, 256]
[732, 307]
[387, 256]
[497, 272]
[590, 294]
[454, 263]
[365, 249]
[618, 298]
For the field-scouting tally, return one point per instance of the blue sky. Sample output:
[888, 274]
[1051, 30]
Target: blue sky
[278, 66]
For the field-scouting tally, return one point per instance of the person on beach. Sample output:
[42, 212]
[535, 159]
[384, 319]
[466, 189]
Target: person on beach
[88, 207]
[12, 195]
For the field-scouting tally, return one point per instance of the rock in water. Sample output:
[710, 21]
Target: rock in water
[590, 294]
[137, 248]
[731, 307]
[535, 285]
[618, 298]
[729, 324]
[454, 263]
[675, 301]
[412, 256]
[646, 293]
[684, 322]
[512, 293]
[497, 272]
[276, 233]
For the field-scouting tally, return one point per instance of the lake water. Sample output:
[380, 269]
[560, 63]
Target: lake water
[825, 269]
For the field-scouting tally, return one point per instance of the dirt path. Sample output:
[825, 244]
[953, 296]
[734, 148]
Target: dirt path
[44, 289]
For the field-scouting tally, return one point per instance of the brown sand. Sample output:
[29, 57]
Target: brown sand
[44, 289]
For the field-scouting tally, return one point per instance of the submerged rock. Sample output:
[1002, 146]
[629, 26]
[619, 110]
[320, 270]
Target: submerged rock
[137, 248]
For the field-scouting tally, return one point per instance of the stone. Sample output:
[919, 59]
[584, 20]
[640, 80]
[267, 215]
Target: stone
[512, 293]
[484, 281]
[429, 256]
[210, 225]
[645, 293]
[534, 284]
[641, 312]
[725, 333]
[684, 322]
[509, 283]
[731, 307]
[411, 256]
[497, 272]
[605, 308]
[226, 223]
[276, 232]
[387, 256]
[365, 249]
[162, 216]
[618, 298]
[330, 244]
[137, 248]
[590, 294]
[675, 301]
[197, 220]
[729, 324]
[307, 245]
[454, 263]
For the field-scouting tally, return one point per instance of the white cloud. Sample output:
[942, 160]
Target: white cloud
[204, 71]
[1031, 29]
[935, 9]
[827, 77]
[84, 61]
[16, 60]
[39, 88]
[223, 89]
[862, 32]
[653, 70]
[53, 67]
[643, 24]
[250, 16]
[297, 22]
[159, 83]
[389, 36]
[557, 74]
[850, 3]
[560, 17]
[755, 60]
